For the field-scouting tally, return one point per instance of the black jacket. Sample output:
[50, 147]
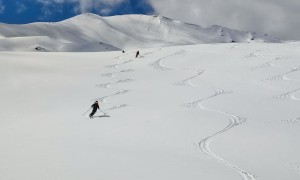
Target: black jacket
[95, 106]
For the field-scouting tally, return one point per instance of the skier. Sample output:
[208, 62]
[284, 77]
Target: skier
[137, 54]
[95, 106]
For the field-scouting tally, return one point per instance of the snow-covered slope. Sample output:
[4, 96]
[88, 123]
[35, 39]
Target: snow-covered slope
[209, 112]
[90, 32]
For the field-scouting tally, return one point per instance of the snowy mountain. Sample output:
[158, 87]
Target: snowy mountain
[184, 109]
[90, 32]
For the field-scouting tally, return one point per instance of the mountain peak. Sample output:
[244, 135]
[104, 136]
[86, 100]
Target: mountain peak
[91, 32]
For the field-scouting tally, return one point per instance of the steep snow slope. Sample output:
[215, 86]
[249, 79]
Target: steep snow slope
[221, 111]
[90, 32]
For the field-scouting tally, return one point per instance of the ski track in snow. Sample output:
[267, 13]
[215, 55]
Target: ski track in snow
[116, 66]
[116, 107]
[234, 120]
[232, 47]
[291, 121]
[103, 99]
[289, 95]
[296, 167]
[151, 52]
[113, 73]
[109, 85]
[283, 76]
[157, 64]
[187, 82]
[266, 65]
[254, 54]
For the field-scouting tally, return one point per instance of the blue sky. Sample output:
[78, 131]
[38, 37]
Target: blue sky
[27, 11]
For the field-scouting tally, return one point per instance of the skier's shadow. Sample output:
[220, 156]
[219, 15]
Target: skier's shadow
[101, 116]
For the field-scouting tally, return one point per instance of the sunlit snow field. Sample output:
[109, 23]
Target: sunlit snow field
[215, 111]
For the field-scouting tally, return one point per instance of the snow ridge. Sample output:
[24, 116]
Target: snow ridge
[90, 32]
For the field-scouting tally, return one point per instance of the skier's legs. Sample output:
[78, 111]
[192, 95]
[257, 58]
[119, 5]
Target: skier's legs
[93, 112]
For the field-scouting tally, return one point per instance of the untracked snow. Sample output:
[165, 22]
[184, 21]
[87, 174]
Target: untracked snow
[213, 111]
[90, 32]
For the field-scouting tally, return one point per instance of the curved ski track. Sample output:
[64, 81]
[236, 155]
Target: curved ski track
[284, 76]
[234, 120]
[267, 64]
[187, 82]
[157, 64]
[289, 95]
[108, 85]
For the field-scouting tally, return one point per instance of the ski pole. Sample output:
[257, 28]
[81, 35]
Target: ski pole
[101, 111]
[87, 111]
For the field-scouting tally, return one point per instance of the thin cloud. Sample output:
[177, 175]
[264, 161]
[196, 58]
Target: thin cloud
[100, 6]
[276, 17]
[105, 11]
[2, 7]
[50, 8]
[20, 7]
[83, 6]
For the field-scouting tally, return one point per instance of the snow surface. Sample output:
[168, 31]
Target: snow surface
[90, 32]
[211, 111]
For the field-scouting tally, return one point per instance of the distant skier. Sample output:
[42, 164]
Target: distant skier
[137, 54]
[95, 106]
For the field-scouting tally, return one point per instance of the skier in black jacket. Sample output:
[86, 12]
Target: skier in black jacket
[137, 54]
[95, 106]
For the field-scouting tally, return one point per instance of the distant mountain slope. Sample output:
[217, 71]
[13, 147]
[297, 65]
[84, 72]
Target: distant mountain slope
[90, 32]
